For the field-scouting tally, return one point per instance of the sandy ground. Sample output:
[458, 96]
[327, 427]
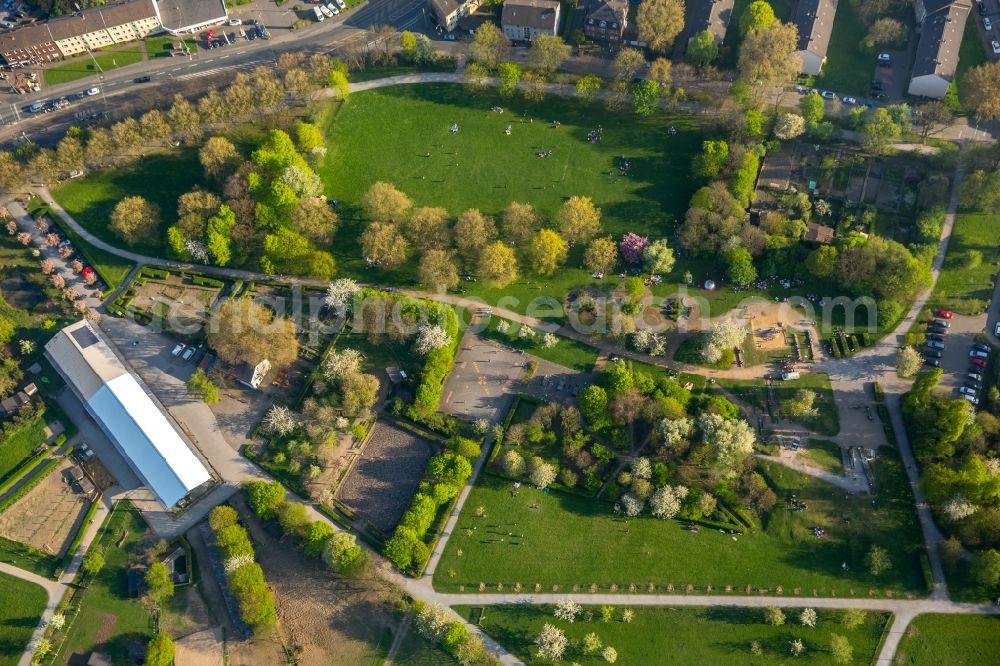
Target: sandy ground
[203, 648]
[44, 518]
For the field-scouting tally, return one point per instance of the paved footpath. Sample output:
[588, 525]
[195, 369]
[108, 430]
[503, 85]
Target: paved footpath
[874, 364]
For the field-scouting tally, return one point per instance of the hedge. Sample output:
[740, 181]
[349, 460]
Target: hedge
[11, 499]
[78, 537]
[879, 394]
[22, 471]
[155, 273]
[437, 367]
[247, 584]
[202, 281]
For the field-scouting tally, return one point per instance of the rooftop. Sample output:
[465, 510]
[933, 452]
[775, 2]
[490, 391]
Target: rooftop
[181, 15]
[940, 41]
[814, 20]
[530, 13]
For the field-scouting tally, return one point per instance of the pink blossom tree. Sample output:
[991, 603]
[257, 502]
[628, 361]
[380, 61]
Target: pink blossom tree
[77, 266]
[24, 238]
[631, 247]
[48, 266]
[58, 281]
[52, 240]
[42, 225]
[93, 316]
[12, 227]
[80, 306]
[89, 279]
[65, 252]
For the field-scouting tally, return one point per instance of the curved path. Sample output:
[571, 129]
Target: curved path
[873, 364]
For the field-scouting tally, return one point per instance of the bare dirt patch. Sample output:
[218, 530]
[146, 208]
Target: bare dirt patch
[45, 517]
[385, 476]
[203, 648]
[106, 627]
[184, 304]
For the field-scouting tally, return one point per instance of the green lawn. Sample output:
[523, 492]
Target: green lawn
[663, 635]
[752, 391]
[109, 620]
[18, 444]
[822, 454]
[85, 66]
[567, 353]
[159, 47]
[972, 53]
[90, 200]
[571, 540]
[21, 606]
[956, 640]
[26, 557]
[965, 285]
[847, 70]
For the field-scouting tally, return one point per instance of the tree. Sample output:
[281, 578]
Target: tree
[160, 650]
[609, 654]
[730, 442]
[359, 392]
[309, 137]
[548, 251]
[841, 649]
[659, 22]
[660, 72]
[509, 75]
[797, 647]
[601, 255]
[774, 616]
[264, 497]
[437, 270]
[183, 119]
[243, 330]
[739, 266]
[489, 45]
[341, 550]
[217, 156]
[341, 363]
[709, 162]
[800, 406]
[518, 223]
[908, 361]
[154, 125]
[645, 97]
[160, 586]
[808, 617]
[813, 107]
[886, 32]
[567, 609]
[431, 337]
[473, 232]
[657, 257]
[69, 154]
[340, 295]
[512, 463]
[217, 235]
[541, 473]
[578, 219]
[199, 385]
[821, 262]
[769, 58]
[789, 126]
[722, 336]
[592, 643]
[702, 49]
[339, 85]
[315, 220]
[93, 562]
[135, 219]
[383, 245]
[758, 16]
[587, 86]
[551, 643]
[985, 568]
[533, 85]
[476, 76]
[384, 203]
[12, 173]
[302, 180]
[666, 501]
[878, 560]
[427, 228]
[853, 618]
[627, 63]
[982, 91]
[549, 51]
[879, 130]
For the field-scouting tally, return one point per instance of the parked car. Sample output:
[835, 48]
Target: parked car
[978, 362]
[90, 92]
[996, 329]
[978, 353]
[975, 386]
[177, 350]
[935, 337]
[971, 398]
[142, 79]
[75, 173]
[935, 344]
[987, 23]
[942, 322]
[333, 8]
[945, 314]
[932, 353]
[981, 347]
[932, 362]
[850, 100]
[884, 58]
[188, 353]
[826, 94]
[975, 376]
[965, 390]
[235, 21]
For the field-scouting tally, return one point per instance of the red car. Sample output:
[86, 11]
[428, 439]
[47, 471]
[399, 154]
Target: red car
[978, 361]
[946, 314]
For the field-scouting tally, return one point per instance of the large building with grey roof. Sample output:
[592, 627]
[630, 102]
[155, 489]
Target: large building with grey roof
[814, 21]
[711, 15]
[942, 25]
[525, 20]
[127, 412]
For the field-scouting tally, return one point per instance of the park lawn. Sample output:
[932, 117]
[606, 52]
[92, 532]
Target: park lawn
[109, 620]
[555, 539]
[754, 392]
[967, 286]
[753, 356]
[26, 557]
[85, 66]
[822, 454]
[956, 640]
[18, 446]
[680, 635]
[567, 352]
[91, 199]
[847, 70]
[658, 372]
[21, 606]
[971, 54]
[159, 47]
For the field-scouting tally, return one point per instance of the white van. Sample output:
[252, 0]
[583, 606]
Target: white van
[790, 375]
[319, 14]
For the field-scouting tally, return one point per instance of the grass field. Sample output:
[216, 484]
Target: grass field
[159, 47]
[847, 70]
[90, 200]
[18, 445]
[25, 557]
[109, 620]
[822, 454]
[965, 284]
[21, 606]
[956, 640]
[661, 635]
[567, 353]
[85, 66]
[753, 392]
[570, 540]
[972, 53]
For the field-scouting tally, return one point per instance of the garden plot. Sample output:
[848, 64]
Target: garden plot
[44, 518]
[385, 475]
[187, 305]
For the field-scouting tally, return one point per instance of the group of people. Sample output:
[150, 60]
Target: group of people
[624, 165]
[593, 136]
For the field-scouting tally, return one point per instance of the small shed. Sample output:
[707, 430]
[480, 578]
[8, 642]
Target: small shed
[818, 233]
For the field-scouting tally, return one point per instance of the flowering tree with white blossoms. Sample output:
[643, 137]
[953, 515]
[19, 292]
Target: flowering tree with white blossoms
[731, 441]
[280, 420]
[722, 336]
[197, 250]
[341, 363]
[808, 617]
[503, 326]
[237, 561]
[339, 295]
[958, 508]
[431, 337]
[551, 643]
[633, 505]
[567, 609]
[549, 340]
[666, 501]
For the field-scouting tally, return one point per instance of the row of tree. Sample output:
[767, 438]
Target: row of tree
[244, 576]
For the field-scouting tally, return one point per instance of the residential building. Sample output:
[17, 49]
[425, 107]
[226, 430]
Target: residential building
[524, 20]
[702, 15]
[606, 20]
[942, 25]
[814, 21]
[87, 30]
[127, 412]
[818, 233]
[180, 17]
[448, 12]
[252, 375]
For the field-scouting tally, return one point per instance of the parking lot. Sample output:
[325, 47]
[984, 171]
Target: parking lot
[955, 360]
